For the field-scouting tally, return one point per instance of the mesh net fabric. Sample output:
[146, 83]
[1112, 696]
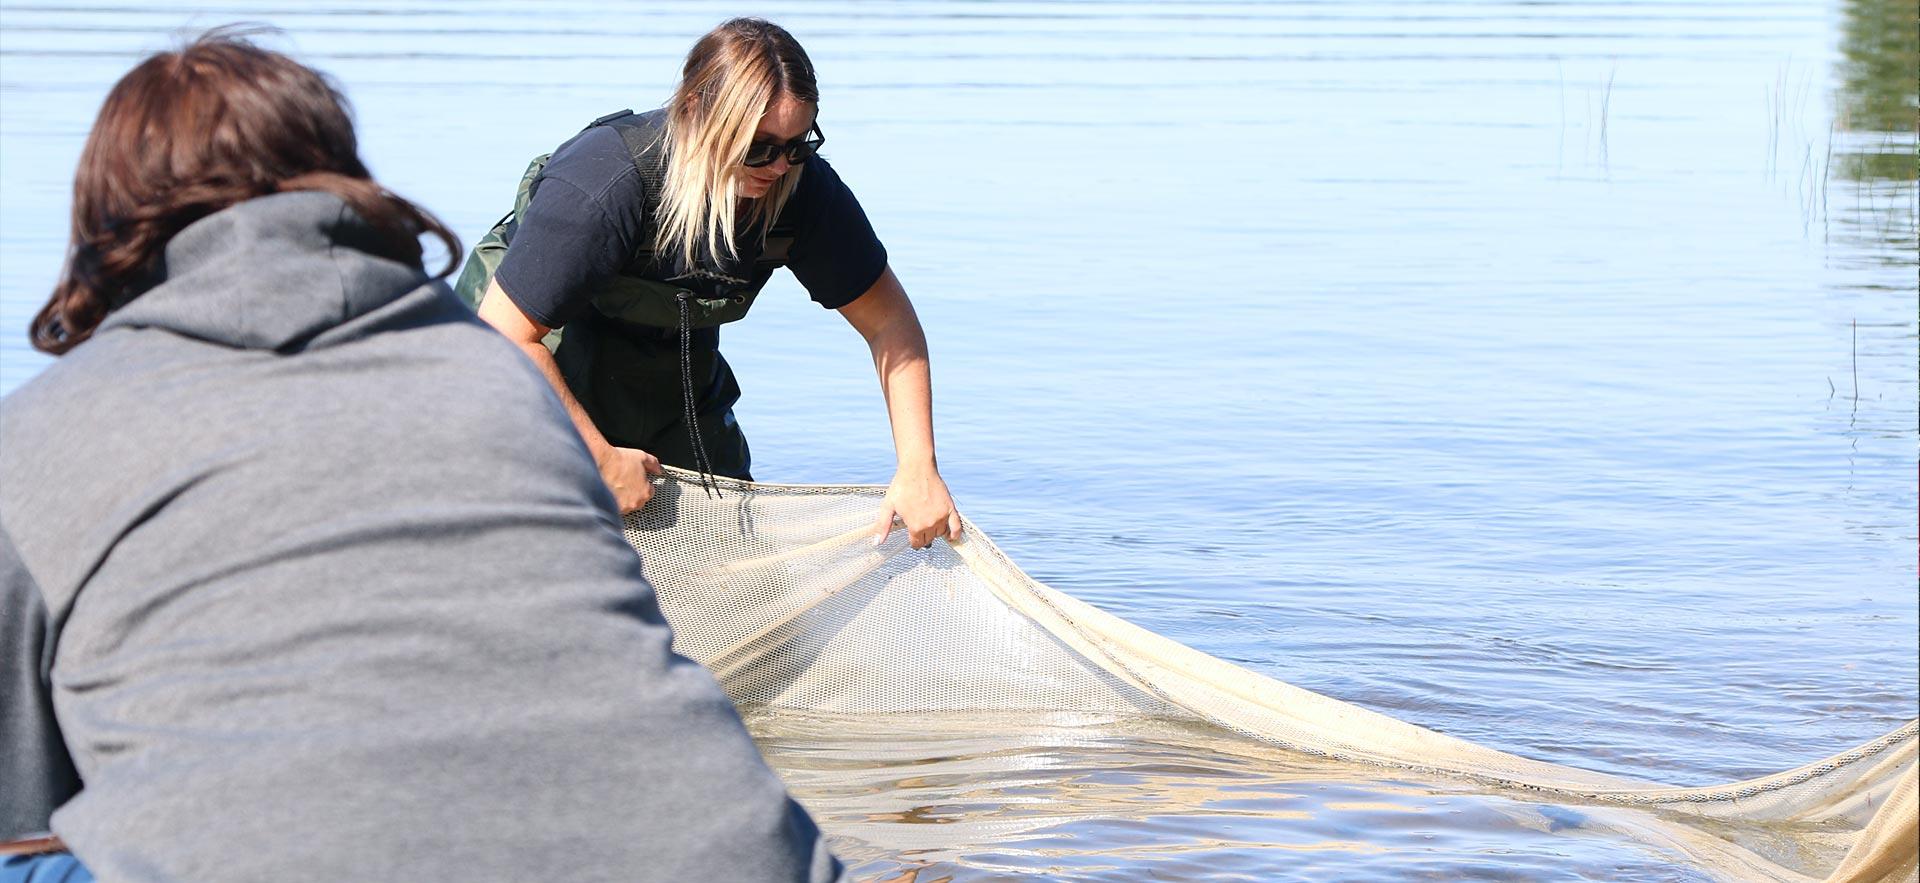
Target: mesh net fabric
[779, 590]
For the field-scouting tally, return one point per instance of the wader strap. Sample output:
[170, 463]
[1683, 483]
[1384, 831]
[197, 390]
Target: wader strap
[627, 112]
[700, 459]
[642, 142]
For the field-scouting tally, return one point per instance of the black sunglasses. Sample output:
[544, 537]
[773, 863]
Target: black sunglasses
[797, 151]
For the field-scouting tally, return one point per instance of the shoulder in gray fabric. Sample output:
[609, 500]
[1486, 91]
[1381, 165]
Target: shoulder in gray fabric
[333, 591]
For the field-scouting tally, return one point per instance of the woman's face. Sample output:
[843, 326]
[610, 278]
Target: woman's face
[786, 119]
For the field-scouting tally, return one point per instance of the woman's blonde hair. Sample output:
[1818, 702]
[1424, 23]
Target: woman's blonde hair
[731, 77]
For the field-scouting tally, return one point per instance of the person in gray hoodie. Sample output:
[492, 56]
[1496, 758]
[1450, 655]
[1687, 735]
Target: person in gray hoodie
[304, 572]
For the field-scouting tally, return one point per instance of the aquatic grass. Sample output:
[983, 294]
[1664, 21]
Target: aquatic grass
[1826, 186]
[1853, 350]
[1776, 110]
[1606, 102]
[1560, 148]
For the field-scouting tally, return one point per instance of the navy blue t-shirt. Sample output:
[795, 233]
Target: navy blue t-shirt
[587, 221]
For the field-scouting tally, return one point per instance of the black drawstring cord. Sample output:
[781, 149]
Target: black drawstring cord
[700, 459]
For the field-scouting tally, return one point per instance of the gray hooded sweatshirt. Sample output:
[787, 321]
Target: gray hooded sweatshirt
[307, 576]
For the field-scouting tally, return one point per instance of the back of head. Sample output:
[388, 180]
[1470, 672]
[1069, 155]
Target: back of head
[732, 75]
[188, 133]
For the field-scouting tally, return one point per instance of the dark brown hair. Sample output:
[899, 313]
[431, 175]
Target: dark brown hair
[188, 133]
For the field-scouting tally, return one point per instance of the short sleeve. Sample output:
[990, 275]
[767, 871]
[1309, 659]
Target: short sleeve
[835, 252]
[581, 227]
[37, 770]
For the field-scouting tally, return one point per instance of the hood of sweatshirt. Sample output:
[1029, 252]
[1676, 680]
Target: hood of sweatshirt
[275, 273]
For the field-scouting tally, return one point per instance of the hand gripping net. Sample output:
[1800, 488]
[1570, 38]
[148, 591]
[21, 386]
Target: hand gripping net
[781, 593]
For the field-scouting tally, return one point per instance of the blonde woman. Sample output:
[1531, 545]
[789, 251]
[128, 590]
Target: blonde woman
[644, 233]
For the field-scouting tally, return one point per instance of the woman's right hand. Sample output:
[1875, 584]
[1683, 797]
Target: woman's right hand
[628, 473]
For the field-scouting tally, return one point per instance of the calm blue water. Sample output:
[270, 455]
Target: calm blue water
[1492, 365]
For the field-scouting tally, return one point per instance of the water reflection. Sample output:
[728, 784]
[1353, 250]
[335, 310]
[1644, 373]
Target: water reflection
[1018, 796]
[1880, 51]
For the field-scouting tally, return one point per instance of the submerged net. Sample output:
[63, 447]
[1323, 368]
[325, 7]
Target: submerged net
[781, 593]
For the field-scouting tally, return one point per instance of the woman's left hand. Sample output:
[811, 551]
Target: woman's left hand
[919, 496]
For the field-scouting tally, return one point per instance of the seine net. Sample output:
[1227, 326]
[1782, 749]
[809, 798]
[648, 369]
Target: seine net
[780, 591]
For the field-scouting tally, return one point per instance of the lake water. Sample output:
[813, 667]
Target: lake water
[1543, 373]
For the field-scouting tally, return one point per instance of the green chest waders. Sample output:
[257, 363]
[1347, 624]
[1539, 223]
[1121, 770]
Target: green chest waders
[645, 361]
